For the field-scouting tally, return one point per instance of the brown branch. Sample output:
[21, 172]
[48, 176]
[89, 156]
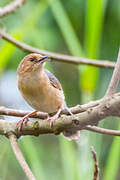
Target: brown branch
[56, 56]
[102, 130]
[96, 169]
[20, 157]
[42, 115]
[20, 113]
[11, 7]
[109, 106]
[112, 88]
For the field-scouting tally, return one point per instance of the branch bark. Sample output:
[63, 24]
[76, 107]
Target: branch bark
[20, 157]
[11, 7]
[56, 56]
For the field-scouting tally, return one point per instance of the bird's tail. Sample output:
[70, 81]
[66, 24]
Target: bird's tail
[71, 135]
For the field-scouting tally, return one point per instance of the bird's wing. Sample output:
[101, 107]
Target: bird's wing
[53, 80]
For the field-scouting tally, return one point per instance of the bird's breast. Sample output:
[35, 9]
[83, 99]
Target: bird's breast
[40, 95]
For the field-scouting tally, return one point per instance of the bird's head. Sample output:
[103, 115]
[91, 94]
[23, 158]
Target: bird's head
[32, 63]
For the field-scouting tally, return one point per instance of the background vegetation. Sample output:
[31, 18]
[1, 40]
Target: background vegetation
[89, 28]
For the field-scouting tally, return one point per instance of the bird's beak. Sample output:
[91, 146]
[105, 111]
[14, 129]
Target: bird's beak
[43, 59]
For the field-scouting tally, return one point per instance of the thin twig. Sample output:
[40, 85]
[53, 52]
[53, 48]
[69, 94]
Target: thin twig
[96, 169]
[56, 56]
[112, 88]
[20, 113]
[102, 130]
[11, 7]
[20, 157]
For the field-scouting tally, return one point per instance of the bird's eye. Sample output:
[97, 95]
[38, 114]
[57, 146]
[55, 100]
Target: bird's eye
[32, 59]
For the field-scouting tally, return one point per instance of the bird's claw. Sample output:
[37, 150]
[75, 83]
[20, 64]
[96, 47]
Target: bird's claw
[21, 123]
[51, 120]
[24, 120]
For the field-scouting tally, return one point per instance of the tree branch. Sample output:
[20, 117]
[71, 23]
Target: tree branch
[11, 7]
[96, 169]
[112, 88]
[109, 106]
[20, 113]
[56, 56]
[103, 130]
[20, 157]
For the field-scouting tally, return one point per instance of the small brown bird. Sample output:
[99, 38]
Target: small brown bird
[41, 90]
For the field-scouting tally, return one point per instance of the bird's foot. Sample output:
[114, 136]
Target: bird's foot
[53, 118]
[24, 120]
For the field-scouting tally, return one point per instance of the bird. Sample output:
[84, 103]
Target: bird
[41, 90]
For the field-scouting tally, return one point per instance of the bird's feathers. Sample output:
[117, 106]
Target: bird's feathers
[71, 135]
[53, 80]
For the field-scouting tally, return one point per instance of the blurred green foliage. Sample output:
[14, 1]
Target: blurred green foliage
[81, 28]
